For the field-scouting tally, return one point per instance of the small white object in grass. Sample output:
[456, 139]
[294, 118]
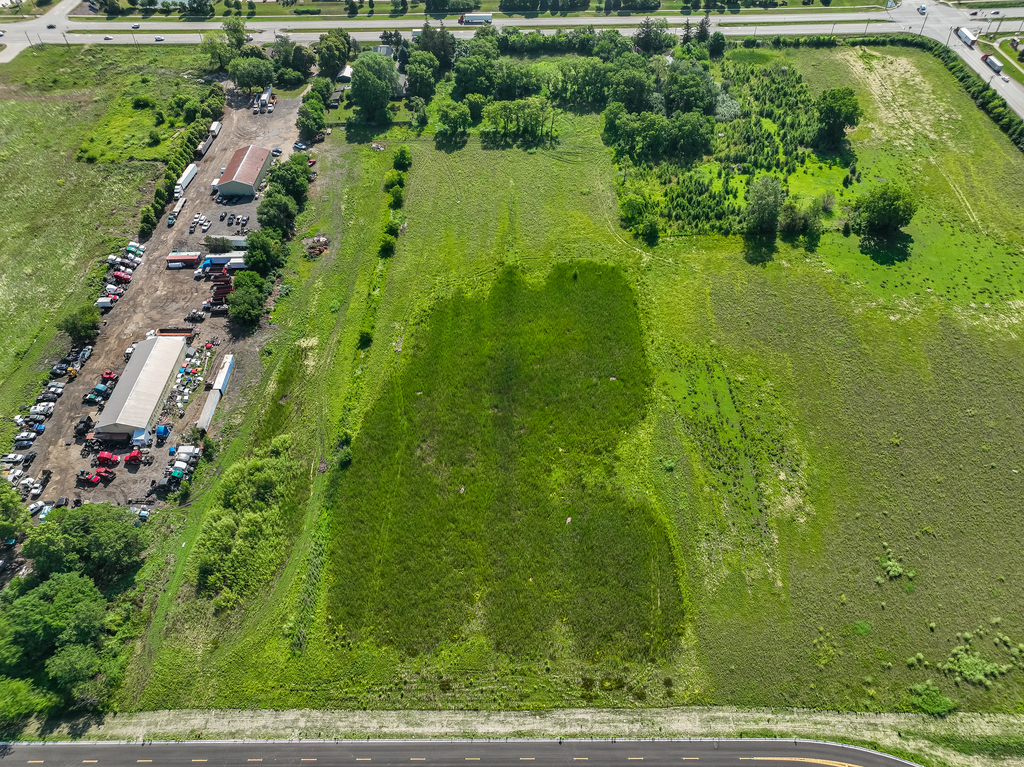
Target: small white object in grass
[568, 520]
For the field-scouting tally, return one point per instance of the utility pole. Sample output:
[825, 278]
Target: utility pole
[949, 36]
[66, 40]
[833, 28]
[922, 25]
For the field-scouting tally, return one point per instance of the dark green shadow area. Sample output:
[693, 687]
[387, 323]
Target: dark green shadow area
[453, 518]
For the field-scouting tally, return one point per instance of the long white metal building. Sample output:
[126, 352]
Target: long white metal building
[135, 403]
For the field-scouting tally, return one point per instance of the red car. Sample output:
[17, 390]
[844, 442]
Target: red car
[109, 375]
[107, 458]
[134, 457]
[106, 474]
[122, 277]
[312, 161]
[87, 479]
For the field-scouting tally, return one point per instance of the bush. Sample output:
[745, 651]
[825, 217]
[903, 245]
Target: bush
[392, 179]
[397, 197]
[403, 158]
[82, 325]
[392, 227]
[154, 137]
[387, 246]
[142, 102]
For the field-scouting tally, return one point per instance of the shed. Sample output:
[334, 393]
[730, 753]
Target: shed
[345, 75]
[135, 403]
[244, 173]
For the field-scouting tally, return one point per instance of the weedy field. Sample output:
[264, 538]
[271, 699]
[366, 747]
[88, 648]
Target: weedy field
[548, 466]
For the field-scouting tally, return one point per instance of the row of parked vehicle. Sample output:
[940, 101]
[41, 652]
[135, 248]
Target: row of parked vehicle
[119, 275]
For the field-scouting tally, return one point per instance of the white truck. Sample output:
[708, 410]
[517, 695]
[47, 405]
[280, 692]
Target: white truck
[967, 36]
[185, 180]
[995, 64]
[475, 18]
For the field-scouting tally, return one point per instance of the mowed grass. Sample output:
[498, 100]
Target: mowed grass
[774, 432]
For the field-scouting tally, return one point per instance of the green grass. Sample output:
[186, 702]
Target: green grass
[777, 427]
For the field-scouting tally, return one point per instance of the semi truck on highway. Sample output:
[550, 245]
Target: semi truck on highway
[993, 62]
[475, 18]
[967, 36]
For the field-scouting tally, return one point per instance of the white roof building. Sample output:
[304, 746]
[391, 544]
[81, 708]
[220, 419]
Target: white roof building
[135, 403]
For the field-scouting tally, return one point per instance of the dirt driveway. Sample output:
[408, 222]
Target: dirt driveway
[158, 297]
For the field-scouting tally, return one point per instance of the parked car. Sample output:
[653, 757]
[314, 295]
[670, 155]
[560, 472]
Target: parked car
[30, 435]
[35, 508]
[29, 457]
[277, 151]
[223, 215]
[110, 375]
[47, 396]
[12, 458]
[231, 219]
[22, 444]
[245, 220]
[92, 398]
[38, 428]
[60, 369]
[60, 502]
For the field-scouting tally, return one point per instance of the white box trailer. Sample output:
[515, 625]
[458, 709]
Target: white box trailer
[995, 64]
[188, 175]
[215, 128]
[475, 18]
[967, 36]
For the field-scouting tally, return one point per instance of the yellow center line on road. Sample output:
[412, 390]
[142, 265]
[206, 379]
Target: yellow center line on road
[35, 761]
[636, 758]
[690, 758]
[143, 761]
[472, 758]
[255, 760]
[88, 761]
[826, 762]
[362, 758]
[198, 760]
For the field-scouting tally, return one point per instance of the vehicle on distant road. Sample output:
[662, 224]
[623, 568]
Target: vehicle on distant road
[158, 39]
[51, 26]
[135, 26]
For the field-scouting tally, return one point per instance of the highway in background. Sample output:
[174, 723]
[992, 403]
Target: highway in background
[937, 23]
[440, 753]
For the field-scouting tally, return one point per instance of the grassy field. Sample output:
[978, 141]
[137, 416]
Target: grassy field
[62, 215]
[587, 472]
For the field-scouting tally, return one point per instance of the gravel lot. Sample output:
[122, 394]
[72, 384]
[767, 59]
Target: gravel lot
[159, 297]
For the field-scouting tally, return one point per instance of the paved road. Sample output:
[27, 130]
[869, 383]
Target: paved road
[937, 23]
[531, 753]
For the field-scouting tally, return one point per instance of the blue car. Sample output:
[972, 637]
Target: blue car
[38, 428]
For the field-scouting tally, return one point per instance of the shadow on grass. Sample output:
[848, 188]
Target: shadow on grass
[887, 250]
[448, 144]
[759, 249]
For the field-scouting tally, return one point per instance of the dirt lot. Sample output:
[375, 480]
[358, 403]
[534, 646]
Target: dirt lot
[159, 297]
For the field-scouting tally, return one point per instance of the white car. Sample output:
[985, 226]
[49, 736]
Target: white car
[1006, 79]
[45, 408]
[12, 458]
[158, 39]
[270, 108]
[35, 508]
[108, 37]
[1, 33]
[14, 475]
[26, 435]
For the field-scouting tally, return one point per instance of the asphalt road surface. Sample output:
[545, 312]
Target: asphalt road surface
[525, 753]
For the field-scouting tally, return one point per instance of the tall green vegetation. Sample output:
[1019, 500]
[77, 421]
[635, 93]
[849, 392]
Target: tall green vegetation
[508, 507]
[57, 644]
[244, 534]
[81, 324]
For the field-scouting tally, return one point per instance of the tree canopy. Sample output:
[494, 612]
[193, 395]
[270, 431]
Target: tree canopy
[13, 517]
[251, 74]
[838, 109]
[374, 80]
[99, 540]
[886, 209]
[764, 203]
